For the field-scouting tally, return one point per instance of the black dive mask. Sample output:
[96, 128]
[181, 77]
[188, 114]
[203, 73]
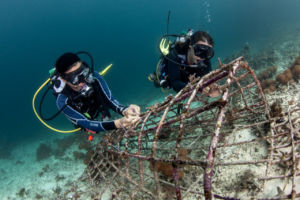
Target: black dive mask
[203, 51]
[80, 75]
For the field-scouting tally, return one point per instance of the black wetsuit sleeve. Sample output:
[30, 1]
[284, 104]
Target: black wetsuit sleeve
[175, 76]
[108, 97]
[79, 119]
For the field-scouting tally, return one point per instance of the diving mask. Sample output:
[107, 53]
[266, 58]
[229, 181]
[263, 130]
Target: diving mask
[82, 74]
[203, 51]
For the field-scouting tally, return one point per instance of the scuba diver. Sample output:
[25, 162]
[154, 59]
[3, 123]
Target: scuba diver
[189, 55]
[82, 94]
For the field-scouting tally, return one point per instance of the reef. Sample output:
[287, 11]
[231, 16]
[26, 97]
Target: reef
[22, 193]
[78, 155]
[6, 147]
[43, 152]
[288, 76]
[258, 60]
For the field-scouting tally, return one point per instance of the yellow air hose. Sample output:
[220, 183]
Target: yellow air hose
[42, 121]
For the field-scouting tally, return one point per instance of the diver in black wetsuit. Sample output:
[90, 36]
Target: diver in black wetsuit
[82, 95]
[189, 57]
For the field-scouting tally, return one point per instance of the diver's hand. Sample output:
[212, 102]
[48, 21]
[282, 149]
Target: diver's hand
[132, 110]
[118, 123]
[127, 122]
[131, 121]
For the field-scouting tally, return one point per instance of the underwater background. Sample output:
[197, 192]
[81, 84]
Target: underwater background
[34, 33]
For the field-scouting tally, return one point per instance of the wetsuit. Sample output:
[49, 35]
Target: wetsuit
[75, 106]
[179, 75]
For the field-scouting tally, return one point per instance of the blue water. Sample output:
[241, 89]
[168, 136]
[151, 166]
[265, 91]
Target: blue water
[34, 33]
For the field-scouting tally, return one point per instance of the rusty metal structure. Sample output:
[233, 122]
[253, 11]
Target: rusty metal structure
[192, 146]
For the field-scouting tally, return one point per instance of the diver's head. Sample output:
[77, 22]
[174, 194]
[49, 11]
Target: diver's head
[65, 62]
[201, 36]
[200, 48]
[74, 72]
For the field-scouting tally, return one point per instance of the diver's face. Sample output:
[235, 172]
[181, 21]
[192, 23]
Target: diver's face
[76, 87]
[73, 68]
[192, 56]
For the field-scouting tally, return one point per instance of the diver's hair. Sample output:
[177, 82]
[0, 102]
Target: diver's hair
[182, 48]
[65, 62]
[201, 36]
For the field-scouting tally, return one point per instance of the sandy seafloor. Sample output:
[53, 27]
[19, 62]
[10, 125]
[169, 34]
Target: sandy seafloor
[23, 177]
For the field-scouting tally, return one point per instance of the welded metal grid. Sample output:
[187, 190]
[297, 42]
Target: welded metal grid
[175, 151]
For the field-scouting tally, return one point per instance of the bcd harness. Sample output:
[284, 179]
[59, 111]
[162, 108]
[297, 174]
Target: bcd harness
[90, 106]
